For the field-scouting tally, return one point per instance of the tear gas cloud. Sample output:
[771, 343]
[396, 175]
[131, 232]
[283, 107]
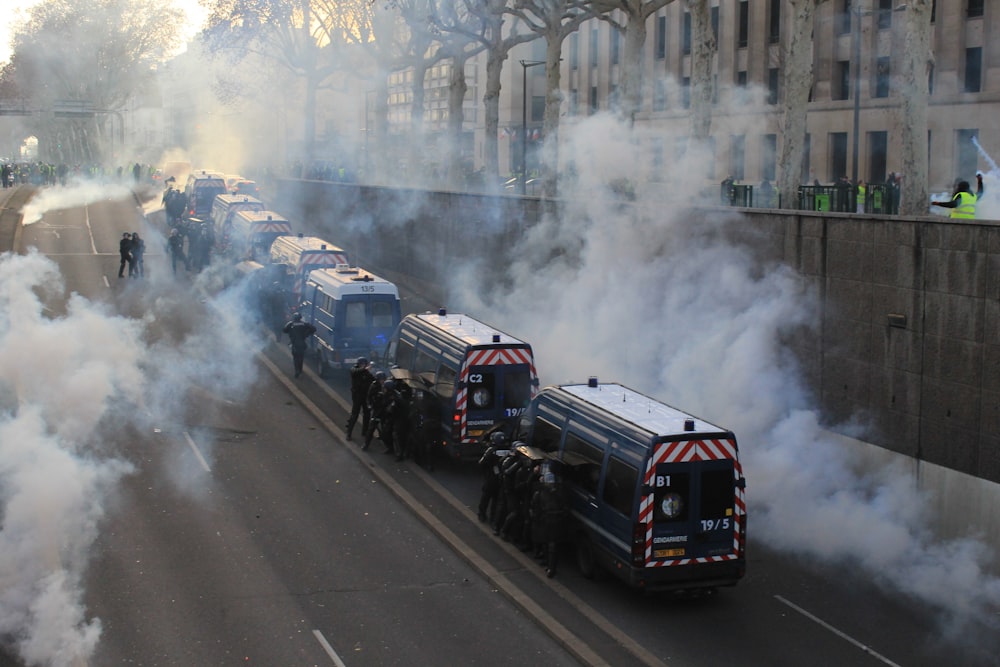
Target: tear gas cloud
[70, 386]
[658, 300]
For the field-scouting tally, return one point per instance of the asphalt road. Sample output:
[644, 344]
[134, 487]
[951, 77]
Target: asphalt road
[252, 532]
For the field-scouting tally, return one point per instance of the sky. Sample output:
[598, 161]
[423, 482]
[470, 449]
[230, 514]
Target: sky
[16, 10]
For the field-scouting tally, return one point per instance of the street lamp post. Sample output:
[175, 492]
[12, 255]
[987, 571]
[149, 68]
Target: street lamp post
[525, 64]
[856, 67]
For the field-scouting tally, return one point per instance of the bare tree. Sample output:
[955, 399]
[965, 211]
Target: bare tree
[485, 22]
[916, 60]
[798, 80]
[95, 54]
[552, 20]
[635, 13]
[306, 37]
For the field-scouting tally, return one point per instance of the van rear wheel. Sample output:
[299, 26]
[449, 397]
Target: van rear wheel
[321, 365]
[586, 562]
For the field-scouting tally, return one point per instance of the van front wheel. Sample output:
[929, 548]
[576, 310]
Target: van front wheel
[586, 562]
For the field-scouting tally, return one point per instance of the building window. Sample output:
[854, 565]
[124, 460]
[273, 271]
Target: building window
[878, 155]
[774, 22]
[930, 79]
[883, 73]
[537, 108]
[660, 95]
[737, 155]
[686, 43]
[976, 8]
[967, 154]
[743, 33]
[884, 14]
[844, 18]
[658, 159]
[843, 91]
[616, 46]
[574, 102]
[715, 23]
[574, 51]
[686, 92]
[769, 157]
[838, 154]
[741, 78]
[973, 69]
[806, 159]
[593, 99]
[593, 47]
[772, 85]
[661, 37]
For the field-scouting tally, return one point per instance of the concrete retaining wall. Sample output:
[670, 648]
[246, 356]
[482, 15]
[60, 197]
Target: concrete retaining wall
[910, 307]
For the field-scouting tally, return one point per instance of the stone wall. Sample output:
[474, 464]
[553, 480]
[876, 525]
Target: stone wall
[910, 306]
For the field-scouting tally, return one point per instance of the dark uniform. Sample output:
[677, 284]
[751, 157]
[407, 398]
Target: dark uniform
[361, 380]
[398, 397]
[298, 333]
[376, 406]
[175, 242]
[489, 463]
[138, 267]
[125, 252]
[549, 518]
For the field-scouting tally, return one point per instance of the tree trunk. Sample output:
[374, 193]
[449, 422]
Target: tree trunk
[550, 126]
[631, 70]
[416, 173]
[491, 102]
[915, 63]
[702, 52]
[798, 68]
[457, 88]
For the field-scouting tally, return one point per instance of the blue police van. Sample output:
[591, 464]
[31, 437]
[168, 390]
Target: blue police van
[354, 311]
[656, 495]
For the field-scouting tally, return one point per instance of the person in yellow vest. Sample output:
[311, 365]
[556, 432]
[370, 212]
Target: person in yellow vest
[862, 190]
[962, 204]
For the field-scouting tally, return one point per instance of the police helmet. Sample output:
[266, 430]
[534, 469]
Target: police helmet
[379, 376]
[362, 362]
[297, 316]
[498, 439]
[390, 385]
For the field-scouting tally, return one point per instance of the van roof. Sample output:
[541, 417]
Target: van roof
[351, 280]
[227, 200]
[308, 243]
[643, 411]
[467, 329]
[261, 216]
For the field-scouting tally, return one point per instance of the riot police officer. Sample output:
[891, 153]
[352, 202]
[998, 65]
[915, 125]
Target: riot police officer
[489, 463]
[361, 380]
[298, 333]
[376, 407]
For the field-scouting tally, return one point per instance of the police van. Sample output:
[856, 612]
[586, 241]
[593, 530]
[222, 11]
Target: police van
[251, 233]
[480, 377]
[302, 254]
[354, 312]
[656, 495]
[201, 189]
[225, 206]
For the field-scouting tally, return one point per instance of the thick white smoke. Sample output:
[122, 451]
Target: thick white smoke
[70, 384]
[655, 299]
[57, 384]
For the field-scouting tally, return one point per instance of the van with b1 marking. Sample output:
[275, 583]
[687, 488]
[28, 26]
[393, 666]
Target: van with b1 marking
[656, 495]
[354, 312]
[478, 376]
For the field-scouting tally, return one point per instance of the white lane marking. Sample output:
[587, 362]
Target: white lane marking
[329, 649]
[835, 631]
[86, 219]
[197, 452]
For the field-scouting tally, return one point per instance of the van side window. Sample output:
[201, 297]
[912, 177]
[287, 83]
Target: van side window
[445, 382]
[620, 482]
[326, 304]
[424, 363]
[382, 314]
[355, 314]
[585, 475]
[545, 435]
[404, 355]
